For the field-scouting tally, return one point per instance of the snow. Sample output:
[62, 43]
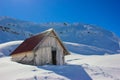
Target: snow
[77, 67]
[96, 60]
[10, 43]
[10, 70]
[105, 67]
[119, 44]
[8, 47]
[86, 49]
[1, 54]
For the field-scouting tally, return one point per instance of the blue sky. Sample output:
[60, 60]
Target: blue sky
[104, 13]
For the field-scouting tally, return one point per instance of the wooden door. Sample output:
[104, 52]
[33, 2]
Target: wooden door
[54, 53]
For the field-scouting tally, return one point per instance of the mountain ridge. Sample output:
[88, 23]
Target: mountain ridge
[13, 29]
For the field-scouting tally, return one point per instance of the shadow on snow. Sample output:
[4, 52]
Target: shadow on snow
[72, 72]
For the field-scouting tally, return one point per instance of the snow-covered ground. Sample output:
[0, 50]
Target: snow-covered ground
[106, 67]
[77, 67]
[14, 71]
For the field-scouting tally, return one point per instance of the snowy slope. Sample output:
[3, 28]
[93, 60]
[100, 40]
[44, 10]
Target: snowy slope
[77, 67]
[105, 67]
[86, 49]
[12, 29]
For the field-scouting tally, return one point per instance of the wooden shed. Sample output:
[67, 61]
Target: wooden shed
[41, 49]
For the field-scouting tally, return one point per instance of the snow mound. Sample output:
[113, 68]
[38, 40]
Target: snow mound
[8, 47]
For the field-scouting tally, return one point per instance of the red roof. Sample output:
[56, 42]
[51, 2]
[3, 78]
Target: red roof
[29, 44]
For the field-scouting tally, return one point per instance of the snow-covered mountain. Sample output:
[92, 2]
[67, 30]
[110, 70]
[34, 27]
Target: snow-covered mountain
[90, 39]
[77, 37]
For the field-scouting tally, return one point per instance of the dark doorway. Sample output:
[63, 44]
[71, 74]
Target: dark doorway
[54, 61]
